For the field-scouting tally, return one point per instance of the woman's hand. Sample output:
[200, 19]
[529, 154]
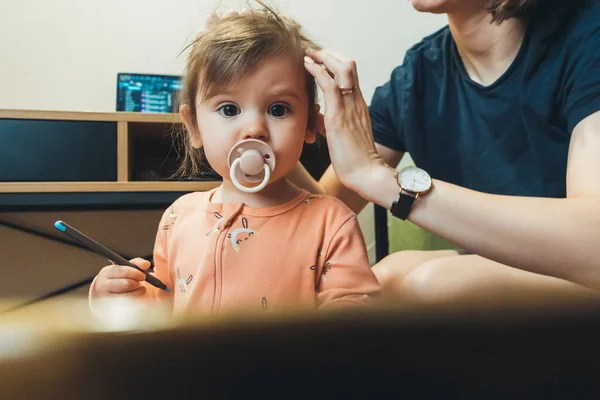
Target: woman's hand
[347, 122]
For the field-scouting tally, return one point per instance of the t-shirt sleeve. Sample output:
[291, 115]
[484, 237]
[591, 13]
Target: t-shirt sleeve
[386, 112]
[583, 80]
[345, 275]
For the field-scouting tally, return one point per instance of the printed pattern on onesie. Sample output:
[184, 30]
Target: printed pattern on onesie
[240, 235]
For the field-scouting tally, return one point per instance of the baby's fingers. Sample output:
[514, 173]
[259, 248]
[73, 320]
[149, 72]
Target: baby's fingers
[141, 263]
[139, 292]
[124, 272]
[120, 285]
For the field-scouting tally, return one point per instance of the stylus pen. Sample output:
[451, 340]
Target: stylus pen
[103, 251]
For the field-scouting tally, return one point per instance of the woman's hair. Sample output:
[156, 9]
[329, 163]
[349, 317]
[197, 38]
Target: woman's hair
[502, 10]
[230, 49]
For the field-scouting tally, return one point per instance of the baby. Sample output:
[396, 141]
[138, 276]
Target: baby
[257, 242]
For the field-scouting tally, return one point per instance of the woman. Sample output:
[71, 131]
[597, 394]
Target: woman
[502, 109]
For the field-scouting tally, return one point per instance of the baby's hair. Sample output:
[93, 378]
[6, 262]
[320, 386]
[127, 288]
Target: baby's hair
[229, 50]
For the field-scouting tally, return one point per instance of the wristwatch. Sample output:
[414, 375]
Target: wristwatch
[413, 183]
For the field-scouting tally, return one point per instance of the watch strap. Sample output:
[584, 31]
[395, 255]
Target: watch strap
[401, 208]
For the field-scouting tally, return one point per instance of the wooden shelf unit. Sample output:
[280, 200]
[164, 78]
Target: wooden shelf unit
[90, 116]
[132, 129]
[90, 187]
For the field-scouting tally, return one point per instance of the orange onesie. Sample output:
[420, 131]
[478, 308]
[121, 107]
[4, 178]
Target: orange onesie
[229, 258]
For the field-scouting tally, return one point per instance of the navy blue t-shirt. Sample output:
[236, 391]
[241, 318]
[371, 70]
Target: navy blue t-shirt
[511, 137]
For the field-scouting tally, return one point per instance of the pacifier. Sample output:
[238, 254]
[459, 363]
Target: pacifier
[251, 161]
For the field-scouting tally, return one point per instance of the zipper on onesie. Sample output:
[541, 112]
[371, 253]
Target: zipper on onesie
[218, 263]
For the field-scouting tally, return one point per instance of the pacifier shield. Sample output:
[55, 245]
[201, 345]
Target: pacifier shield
[253, 154]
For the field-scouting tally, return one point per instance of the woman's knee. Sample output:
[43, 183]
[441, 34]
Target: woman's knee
[392, 270]
[462, 278]
[473, 278]
[434, 281]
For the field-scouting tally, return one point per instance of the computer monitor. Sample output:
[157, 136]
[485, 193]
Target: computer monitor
[147, 93]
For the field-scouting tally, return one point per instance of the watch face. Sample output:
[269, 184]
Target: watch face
[415, 180]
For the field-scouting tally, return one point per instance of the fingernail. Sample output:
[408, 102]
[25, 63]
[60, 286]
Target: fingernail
[308, 60]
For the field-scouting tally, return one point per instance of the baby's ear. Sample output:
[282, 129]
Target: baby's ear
[315, 123]
[185, 111]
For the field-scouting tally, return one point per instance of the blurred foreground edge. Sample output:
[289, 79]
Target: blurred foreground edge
[434, 352]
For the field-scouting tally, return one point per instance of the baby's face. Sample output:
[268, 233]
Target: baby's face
[269, 103]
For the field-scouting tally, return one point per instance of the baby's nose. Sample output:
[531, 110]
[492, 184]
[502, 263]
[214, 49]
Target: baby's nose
[256, 130]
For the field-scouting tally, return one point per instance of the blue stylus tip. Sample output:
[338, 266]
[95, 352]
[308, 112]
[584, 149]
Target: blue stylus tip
[58, 225]
[168, 290]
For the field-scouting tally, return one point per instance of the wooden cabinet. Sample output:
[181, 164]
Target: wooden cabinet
[88, 152]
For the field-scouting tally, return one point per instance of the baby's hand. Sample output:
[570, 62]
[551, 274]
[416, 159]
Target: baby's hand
[122, 280]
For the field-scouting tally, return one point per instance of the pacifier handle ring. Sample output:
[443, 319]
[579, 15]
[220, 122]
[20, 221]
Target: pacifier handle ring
[239, 186]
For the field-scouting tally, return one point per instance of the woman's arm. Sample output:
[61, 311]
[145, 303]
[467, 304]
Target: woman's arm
[300, 177]
[330, 184]
[557, 237]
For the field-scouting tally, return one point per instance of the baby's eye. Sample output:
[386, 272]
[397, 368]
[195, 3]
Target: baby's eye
[229, 110]
[279, 110]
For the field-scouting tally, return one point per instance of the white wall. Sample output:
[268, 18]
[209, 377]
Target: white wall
[65, 54]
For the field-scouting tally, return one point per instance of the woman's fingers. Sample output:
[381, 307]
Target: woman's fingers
[330, 61]
[344, 69]
[327, 84]
[352, 64]
[344, 73]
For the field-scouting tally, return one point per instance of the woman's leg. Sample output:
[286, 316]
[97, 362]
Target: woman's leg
[471, 278]
[390, 271]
